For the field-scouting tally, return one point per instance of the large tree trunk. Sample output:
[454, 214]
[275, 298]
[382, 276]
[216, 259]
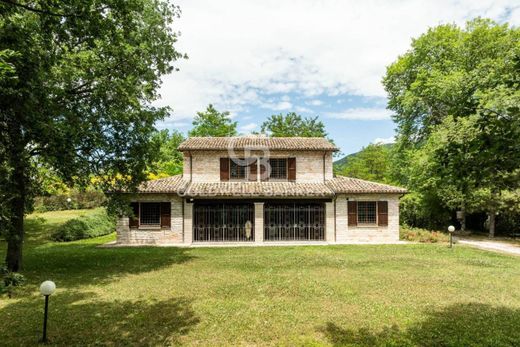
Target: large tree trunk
[17, 192]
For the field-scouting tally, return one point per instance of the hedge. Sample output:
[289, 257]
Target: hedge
[85, 227]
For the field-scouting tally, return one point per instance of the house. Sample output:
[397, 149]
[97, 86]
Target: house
[260, 190]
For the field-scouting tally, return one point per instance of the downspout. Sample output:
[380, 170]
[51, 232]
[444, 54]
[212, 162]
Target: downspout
[335, 221]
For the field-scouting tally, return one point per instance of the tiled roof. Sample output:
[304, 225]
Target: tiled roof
[342, 184]
[257, 142]
[338, 185]
[171, 184]
[259, 189]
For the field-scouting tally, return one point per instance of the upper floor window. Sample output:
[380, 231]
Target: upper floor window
[278, 168]
[237, 170]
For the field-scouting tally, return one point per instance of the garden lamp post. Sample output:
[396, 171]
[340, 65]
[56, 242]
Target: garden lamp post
[46, 289]
[451, 229]
[69, 200]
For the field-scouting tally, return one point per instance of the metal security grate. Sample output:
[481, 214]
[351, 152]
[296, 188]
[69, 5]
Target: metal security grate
[294, 222]
[223, 222]
[366, 212]
[278, 168]
[150, 213]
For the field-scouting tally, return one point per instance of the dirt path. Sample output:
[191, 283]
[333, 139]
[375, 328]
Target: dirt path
[491, 245]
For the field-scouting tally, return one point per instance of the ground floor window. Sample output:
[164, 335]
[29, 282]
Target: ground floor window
[150, 214]
[294, 221]
[366, 212]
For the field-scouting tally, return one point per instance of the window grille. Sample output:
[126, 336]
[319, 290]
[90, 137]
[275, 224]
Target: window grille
[236, 170]
[294, 222]
[150, 213]
[367, 212]
[278, 168]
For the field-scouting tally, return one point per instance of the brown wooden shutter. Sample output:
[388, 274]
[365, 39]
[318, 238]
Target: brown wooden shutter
[352, 213]
[224, 169]
[134, 220]
[253, 169]
[166, 215]
[382, 213]
[291, 169]
[263, 170]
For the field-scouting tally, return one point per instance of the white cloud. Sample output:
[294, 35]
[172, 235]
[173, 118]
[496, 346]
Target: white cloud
[278, 106]
[315, 102]
[384, 141]
[247, 128]
[241, 51]
[361, 113]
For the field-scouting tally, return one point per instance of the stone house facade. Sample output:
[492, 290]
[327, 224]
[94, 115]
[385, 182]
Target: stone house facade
[258, 190]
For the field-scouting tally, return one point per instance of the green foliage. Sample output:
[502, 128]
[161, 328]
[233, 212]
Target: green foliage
[213, 123]
[10, 280]
[372, 163]
[456, 98]
[170, 159]
[407, 233]
[79, 200]
[85, 227]
[293, 125]
[424, 210]
[86, 74]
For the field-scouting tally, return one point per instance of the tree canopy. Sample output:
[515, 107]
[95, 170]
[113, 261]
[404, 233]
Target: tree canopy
[81, 76]
[456, 98]
[293, 125]
[371, 163]
[213, 123]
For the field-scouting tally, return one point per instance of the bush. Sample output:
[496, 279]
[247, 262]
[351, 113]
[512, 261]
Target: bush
[79, 200]
[422, 235]
[10, 280]
[85, 227]
[423, 211]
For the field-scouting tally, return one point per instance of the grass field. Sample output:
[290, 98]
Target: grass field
[355, 295]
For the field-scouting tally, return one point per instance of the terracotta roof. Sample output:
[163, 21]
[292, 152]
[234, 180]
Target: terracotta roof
[171, 184]
[338, 185]
[342, 184]
[259, 189]
[258, 142]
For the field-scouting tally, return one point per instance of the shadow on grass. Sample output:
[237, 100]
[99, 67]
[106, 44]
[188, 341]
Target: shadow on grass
[74, 320]
[470, 324]
[76, 264]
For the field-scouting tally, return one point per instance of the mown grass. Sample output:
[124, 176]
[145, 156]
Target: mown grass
[357, 295]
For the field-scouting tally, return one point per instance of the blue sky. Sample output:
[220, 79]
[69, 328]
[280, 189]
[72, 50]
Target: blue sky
[316, 58]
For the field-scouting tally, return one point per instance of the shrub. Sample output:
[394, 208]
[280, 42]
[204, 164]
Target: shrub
[85, 227]
[79, 200]
[10, 280]
[422, 235]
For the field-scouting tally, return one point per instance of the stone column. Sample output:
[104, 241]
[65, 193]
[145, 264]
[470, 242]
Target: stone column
[329, 222]
[122, 229]
[188, 222]
[259, 222]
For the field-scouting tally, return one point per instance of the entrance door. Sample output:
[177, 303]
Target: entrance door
[231, 222]
[296, 221]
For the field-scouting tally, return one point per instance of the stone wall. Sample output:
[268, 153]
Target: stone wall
[349, 234]
[131, 236]
[310, 165]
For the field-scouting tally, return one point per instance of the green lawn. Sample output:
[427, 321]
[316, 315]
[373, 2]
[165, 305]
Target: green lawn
[397, 295]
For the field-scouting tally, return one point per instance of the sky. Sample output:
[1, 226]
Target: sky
[316, 58]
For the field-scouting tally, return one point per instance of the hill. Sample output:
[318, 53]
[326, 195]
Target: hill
[343, 161]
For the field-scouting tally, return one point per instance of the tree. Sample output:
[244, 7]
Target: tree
[170, 159]
[459, 82]
[213, 123]
[86, 74]
[371, 163]
[293, 125]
